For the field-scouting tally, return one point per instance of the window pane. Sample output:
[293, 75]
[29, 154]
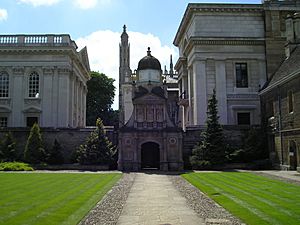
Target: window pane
[30, 121]
[33, 85]
[291, 102]
[243, 118]
[241, 75]
[3, 121]
[4, 84]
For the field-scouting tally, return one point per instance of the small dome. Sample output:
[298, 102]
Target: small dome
[149, 62]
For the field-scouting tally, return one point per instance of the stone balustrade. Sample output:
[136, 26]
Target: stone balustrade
[37, 40]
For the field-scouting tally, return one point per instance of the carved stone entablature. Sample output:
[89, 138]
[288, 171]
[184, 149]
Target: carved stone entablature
[243, 96]
[219, 41]
[32, 101]
[48, 70]
[18, 70]
[63, 70]
[5, 101]
[229, 8]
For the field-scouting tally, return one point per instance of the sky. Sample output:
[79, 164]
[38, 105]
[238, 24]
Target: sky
[98, 24]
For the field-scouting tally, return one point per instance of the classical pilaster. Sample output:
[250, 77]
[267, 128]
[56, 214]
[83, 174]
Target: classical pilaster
[17, 96]
[221, 91]
[199, 91]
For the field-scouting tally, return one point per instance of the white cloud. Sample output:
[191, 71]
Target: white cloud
[36, 3]
[3, 14]
[103, 51]
[85, 4]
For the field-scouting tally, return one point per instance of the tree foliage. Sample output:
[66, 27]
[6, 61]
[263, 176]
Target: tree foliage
[254, 147]
[100, 97]
[211, 149]
[34, 151]
[7, 148]
[55, 155]
[97, 149]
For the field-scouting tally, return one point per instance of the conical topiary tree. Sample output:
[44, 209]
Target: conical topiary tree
[7, 148]
[211, 149]
[55, 155]
[34, 151]
[97, 149]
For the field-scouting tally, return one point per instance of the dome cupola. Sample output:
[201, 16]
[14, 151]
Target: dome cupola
[149, 69]
[149, 62]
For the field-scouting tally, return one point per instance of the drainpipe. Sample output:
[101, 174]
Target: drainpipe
[280, 122]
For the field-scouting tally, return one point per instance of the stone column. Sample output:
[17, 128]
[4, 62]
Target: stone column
[221, 92]
[199, 90]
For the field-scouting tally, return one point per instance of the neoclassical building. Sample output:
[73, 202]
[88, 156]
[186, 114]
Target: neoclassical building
[148, 135]
[233, 48]
[42, 79]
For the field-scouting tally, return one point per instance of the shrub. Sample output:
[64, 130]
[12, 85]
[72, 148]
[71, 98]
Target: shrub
[34, 151]
[254, 147]
[55, 155]
[200, 164]
[7, 148]
[15, 166]
[97, 149]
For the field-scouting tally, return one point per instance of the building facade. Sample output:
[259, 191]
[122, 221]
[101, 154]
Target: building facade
[281, 103]
[149, 137]
[43, 80]
[232, 48]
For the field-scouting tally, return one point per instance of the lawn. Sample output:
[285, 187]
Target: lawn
[50, 198]
[255, 199]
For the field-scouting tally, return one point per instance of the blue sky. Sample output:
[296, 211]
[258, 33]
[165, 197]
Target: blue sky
[97, 24]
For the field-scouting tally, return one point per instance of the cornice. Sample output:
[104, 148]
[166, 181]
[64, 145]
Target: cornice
[181, 61]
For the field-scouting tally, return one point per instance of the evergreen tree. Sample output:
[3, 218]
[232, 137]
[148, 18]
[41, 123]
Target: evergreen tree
[97, 149]
[211, 150]
[8, 151]
[55, 155]
[34, 151]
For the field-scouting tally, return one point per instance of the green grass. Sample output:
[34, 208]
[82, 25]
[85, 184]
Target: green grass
[50, 198]
[254, 199]
[15, 166]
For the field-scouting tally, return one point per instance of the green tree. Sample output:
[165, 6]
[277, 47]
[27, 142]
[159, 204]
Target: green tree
[7, 148]
[100, 97]
[97, 149]
[211, 149]
[55, 155]
[34, 151]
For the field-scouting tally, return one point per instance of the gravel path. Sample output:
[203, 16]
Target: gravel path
[205, 207]
[108, 210]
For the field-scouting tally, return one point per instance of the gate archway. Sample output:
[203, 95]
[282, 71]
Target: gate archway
[150, 158]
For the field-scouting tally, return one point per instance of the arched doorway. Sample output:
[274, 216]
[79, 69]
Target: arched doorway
[293, 155]
[150, 155]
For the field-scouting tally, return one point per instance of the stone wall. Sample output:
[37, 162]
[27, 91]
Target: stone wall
[191, 137]
[70, 139]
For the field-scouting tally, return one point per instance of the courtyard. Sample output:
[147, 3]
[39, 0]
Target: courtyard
[149, 197]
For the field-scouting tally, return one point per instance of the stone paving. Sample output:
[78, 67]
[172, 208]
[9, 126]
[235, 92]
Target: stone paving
[153, 200]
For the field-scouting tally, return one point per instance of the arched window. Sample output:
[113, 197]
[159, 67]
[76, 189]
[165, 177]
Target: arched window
[4, 84]
[34, 83]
